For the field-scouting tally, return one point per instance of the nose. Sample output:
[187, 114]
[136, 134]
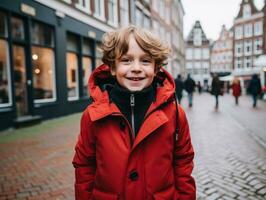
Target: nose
[135, 67]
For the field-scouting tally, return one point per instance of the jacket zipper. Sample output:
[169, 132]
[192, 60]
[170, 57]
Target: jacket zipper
[132, 105]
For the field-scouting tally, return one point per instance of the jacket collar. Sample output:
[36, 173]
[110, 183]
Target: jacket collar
[102, 107]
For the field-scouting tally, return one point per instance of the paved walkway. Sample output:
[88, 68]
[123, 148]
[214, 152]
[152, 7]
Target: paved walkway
[39, 166]
[230, 163]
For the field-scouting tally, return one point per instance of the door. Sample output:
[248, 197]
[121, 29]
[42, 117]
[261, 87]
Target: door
[19, 65]
[20, 80]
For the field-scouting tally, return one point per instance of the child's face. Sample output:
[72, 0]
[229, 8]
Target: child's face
[136, 69]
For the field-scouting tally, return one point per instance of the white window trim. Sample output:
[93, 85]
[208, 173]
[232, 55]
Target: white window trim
[246, 44]
[115, 11]
[260, 24]
[67, 1]
[239, 32]
[250, 28]
[101, 15]
[86, 9]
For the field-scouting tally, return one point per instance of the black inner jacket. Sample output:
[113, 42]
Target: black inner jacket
[143, 99]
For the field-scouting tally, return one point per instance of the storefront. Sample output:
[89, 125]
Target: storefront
[46, 58]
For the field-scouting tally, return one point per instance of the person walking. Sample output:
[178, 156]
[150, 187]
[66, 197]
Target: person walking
[179, 86]
[128, 147]
[199, 87]
[190, 87]
[236, 89]
[254, 88]
[216, 89]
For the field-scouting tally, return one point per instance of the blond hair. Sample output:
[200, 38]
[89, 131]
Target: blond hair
[115, 45]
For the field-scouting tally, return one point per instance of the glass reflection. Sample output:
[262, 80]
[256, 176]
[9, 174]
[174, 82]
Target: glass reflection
[4, 75]
[86, 66]
[72, 76]
[17, 29]
[43, 74]
[20, 80]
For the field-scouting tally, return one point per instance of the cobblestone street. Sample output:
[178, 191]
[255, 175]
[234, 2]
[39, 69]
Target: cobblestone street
[230, 160]
[230, 163]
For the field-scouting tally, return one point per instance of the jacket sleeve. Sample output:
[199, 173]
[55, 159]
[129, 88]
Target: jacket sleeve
[84, 160]
[183, 161]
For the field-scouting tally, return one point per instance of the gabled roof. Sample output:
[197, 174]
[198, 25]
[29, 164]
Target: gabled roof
[252, 5]
[197, 25]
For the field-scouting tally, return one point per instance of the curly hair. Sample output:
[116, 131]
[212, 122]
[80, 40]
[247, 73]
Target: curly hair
[115, 45]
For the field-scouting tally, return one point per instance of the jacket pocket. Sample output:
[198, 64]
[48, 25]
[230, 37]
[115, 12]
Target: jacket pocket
[100, 195]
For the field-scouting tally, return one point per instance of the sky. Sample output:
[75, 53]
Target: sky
[212, 14]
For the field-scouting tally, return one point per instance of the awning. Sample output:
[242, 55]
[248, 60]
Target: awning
[226, 78]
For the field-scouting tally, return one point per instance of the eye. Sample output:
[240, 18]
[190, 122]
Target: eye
[125, 60]
[146, 61]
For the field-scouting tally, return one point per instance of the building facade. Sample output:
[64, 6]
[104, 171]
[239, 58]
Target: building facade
[50, 47]
[222, 53]
[249, 40]
[48, 50]
[165, 19]
[198, 55]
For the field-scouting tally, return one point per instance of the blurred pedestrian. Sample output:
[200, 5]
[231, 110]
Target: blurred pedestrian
[179, 86]
[199, 87]
[254, 88]
[128, 147]
[216, 89]
[190, 87]
[236, 89]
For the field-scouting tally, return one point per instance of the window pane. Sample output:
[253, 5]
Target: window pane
[87, 47]
[72, 76]
[5, 98]
[43, 74]
[42, 34]
[98, 55]
[17, 29]
[3, 28]
[20, 80]
[72, 42]
[86, 71]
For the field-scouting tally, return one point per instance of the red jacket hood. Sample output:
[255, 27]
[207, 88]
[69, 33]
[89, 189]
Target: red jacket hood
[102, 75]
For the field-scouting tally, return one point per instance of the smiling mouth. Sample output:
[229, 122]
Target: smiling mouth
[135, 78]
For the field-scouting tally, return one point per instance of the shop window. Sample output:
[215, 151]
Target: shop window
[3, 24]
[5, 89]
[72, 76]
[72, 67]
[86, 71]
[98, 55]
[43, 65]
[42, 34]
[86, 64]
[20, 80]
[87, 47]
[72, 43]
[17, 29]
[43, 74]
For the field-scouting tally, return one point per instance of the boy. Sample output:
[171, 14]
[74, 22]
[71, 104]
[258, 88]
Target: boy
[127, 147]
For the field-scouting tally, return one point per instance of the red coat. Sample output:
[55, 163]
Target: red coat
[109, 167]
[236, 89]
